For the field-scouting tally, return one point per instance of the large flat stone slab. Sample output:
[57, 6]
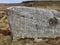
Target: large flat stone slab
[33, 22]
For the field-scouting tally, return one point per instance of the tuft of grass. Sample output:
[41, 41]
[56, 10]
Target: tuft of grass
[5, 41]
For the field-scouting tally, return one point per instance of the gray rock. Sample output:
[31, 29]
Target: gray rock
[33, 22]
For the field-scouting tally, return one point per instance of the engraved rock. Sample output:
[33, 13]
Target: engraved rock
[33, 22]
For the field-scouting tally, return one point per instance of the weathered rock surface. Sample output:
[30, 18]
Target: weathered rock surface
[33, 22]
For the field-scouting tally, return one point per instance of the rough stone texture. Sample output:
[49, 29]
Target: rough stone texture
[32, 22]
